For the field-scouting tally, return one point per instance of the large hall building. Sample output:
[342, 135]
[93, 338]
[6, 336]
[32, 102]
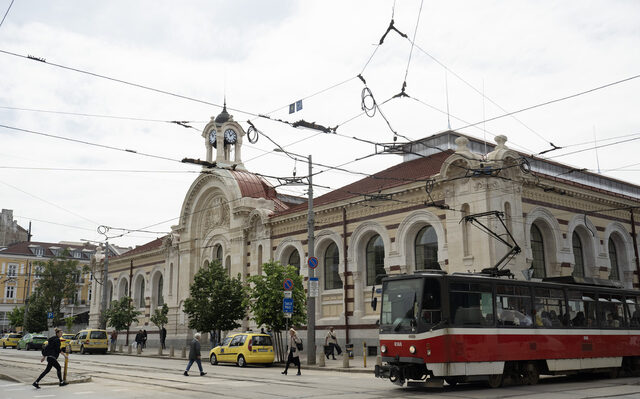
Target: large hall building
[399, 220]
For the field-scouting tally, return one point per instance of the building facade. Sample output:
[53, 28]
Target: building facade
[19, 275]
[403, 219]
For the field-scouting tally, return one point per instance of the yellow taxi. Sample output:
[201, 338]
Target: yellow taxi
[64, 340]
[90, 340]
[243, 349]
[10, 339]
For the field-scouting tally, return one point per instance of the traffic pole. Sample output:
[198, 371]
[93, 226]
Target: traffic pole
[66, 365]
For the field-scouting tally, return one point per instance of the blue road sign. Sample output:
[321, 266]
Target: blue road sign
[312, 262]
[49, 315]
[288, 284]
[287, 305]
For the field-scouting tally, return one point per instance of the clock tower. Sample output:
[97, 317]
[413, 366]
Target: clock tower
[224, 136]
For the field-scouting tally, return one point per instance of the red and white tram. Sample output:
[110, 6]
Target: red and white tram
[436, 327]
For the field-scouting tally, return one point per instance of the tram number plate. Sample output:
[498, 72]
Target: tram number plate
[397, 343]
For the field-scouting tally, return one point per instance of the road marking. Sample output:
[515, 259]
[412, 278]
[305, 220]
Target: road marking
[83, 393]
[44, 396]
[10, 385]
[119, 390]
[16, 389]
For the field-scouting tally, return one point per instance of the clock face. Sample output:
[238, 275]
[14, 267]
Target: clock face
[230, 136]
[212, 137]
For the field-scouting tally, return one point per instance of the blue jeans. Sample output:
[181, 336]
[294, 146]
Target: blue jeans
[191, 362]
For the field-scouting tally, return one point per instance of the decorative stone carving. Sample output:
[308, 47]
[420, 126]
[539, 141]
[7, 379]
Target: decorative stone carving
[216, 214]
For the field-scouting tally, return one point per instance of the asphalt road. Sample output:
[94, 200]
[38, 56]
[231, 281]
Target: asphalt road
[121, 377]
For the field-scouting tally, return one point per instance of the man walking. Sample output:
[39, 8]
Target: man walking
[114, 339]
[331, 341]
[163, 337]
[194, 355]
[51, 353]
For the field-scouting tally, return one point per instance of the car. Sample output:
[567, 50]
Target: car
[90, 340]
[31, 341]
[10, 340]
[243, 349]
[64, 340]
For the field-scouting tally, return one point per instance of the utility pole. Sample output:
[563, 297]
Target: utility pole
[311, 301]
[26, 296]
[105, 277]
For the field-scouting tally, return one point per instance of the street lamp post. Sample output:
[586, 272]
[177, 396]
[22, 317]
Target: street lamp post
[311, 300]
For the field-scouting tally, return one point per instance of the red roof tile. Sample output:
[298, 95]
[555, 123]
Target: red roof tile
[23, 248]
[254, 186]
[150, 246]
[397, 175]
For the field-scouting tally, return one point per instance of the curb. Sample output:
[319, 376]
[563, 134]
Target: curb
[80, 380]
[8, 378]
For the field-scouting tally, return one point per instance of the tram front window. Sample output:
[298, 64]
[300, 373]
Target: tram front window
[400, 305]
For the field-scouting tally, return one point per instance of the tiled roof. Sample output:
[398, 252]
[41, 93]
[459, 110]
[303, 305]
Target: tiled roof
[397, 175]
[23, 248]
[254, 186]
[150, 246]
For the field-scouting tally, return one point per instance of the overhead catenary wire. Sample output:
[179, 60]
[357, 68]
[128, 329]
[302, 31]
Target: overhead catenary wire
[6, 13]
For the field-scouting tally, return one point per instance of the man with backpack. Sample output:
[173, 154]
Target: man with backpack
[51, 353]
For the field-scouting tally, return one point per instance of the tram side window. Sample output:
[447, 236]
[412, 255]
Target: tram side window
[513, 306]
[582, 309]
[549, 308]
[471, 304]
[633, 311]
[431, 306]
[610, 311]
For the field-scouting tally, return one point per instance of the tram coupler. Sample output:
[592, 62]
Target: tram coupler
[382, 371]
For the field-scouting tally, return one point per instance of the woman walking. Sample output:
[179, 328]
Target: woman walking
[51, 353]
[294, 356]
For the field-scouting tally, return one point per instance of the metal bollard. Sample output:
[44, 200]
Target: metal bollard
[184, 352]
[120, 348]
[139, 349]
[345, 361]
[129, 349]
[160, 350]
[378, 360]
[171, 351]
[320, 357]
[364, 353]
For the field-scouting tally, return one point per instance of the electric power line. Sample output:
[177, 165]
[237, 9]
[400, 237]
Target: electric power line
[7, 12]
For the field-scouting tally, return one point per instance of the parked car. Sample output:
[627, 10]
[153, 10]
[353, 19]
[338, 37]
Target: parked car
[11, 339]
[31, 341]
[64, 340]
[243, 349]
[90, 340]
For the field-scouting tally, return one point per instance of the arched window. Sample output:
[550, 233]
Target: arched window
[217, 253]
[537, 250]
[140, 292]
[613, 258]
[331, 267]
[375, 260]
[426, 248]
[294, 260]
[578, 254]
[160, 287]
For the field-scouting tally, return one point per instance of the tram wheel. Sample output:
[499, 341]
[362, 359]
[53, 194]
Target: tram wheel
[495, 381]
[452, 381]
[531, 375]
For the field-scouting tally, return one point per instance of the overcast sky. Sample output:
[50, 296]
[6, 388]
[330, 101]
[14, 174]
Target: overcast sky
[267, 54]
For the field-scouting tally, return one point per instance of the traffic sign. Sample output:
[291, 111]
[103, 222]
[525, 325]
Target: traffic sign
[49, 315]
[288, 284]
[287, 294]
[287, 305]
[312, 262]
[313, 287]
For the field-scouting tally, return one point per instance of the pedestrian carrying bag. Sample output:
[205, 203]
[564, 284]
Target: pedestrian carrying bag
[299, 345]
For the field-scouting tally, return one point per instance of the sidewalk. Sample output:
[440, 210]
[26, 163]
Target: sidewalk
[20, 373]
[356, 365]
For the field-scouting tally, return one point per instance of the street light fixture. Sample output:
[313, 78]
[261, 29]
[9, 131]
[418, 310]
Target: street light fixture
[311, 300]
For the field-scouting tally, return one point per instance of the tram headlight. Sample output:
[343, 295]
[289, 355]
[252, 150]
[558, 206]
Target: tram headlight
[412, 349]
[383, 349]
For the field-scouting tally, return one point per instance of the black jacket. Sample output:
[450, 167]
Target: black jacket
[53, 348]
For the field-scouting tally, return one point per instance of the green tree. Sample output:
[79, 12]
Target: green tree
[121, 314]
[16, 317]
[159, 317]
[266, 295]
[36, 314]
[56, 281]
[68, 322]
[217, 301]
